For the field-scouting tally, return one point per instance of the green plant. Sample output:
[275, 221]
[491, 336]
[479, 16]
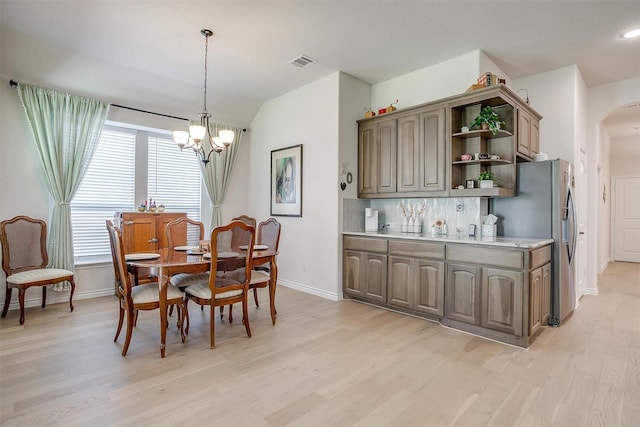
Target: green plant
[488, 176]
[490, 117]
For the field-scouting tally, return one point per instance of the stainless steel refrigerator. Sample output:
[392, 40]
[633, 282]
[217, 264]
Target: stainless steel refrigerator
[544, 207]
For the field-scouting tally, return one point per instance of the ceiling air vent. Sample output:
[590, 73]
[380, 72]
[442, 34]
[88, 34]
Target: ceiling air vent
[302, 61]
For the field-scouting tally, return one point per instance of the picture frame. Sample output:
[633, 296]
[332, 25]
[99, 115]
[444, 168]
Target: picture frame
[286, 181]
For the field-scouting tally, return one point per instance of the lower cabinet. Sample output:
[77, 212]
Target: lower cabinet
[416, 284]
[539, 297]
[496, 292]
[365, 275]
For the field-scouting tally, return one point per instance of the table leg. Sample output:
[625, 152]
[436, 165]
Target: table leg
[272, 289]
[162, 282]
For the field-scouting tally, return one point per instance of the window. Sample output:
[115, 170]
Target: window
[109, 185]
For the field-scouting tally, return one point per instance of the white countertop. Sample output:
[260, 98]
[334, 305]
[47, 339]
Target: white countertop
[500, 241]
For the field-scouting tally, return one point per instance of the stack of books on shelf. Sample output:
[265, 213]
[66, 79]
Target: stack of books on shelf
[486, 80]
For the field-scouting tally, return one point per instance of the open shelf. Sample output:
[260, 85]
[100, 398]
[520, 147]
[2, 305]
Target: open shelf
[483, 133]
[482, 161]
[482, 192]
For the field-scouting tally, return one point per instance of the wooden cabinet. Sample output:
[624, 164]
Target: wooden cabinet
[145, 231]
[422, 153]
[528, 133]
[377, 145]
[463, 293]
[365, 268]
[539, 298]
[403, 155]
[416, 282]
[501, 306]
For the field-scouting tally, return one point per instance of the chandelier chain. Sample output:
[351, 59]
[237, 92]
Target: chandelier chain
[206, 57]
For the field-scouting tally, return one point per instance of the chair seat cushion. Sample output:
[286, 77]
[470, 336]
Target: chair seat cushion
[143, 294]
[184, 280]
[202, 290]
[38, 275]
[259, 276]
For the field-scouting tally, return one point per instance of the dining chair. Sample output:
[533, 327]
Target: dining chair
[226, 288]
[188, 232]
[25, 259]
[268, 235]
[141, 297]
[237, 237]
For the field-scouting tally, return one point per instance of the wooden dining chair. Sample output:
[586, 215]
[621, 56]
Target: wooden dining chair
[268, 235]
[141, 297]
[185, 232]
[237, 237]
[25, 259]
[225, 289]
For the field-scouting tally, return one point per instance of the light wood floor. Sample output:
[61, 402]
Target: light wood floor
[325, 363]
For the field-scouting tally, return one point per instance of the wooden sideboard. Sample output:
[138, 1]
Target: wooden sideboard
[145, 231]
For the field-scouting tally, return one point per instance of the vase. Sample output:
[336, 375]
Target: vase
[411, 225]
[486, 183]
[484, 126]
[403, 226]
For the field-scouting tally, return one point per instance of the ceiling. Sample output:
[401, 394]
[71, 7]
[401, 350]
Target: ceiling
[150, 54]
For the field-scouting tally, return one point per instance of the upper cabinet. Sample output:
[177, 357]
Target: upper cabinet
[403, 154]
[421, 151]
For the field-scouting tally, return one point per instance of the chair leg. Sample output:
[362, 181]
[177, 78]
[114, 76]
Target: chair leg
[21, 302]
[221, 312]
[230, 313]
[245, 315]
[127, 339]
[171, 310]
[73, 289]
[255, 296]
[44, 296]
[182, 313]
[7, 301]
[186, 312]
[120, 321]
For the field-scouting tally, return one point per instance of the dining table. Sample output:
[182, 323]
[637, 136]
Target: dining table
[168, 262]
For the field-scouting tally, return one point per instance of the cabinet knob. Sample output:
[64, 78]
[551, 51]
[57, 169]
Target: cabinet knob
[154, 240]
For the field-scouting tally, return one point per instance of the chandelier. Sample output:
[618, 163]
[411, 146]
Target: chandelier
[198, 133]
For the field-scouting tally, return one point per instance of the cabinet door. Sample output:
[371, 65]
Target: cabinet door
[138, 232]
[429, 282]
[409, 153]
[433, 150]
[502, 300]
[535, 137]
[545, 294]
[387, 151]
[535, 295]
[375, 280]
[353, 278]
[368, 158]
[463, 293]
[401, 282]
[524, 132]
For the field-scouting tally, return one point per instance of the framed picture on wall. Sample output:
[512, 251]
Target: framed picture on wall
[286, 181]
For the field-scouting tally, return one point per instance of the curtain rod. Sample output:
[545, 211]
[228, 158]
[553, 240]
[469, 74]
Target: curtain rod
[14, 83]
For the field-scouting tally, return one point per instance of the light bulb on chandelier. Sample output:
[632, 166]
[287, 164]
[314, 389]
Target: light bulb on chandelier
[198, 133]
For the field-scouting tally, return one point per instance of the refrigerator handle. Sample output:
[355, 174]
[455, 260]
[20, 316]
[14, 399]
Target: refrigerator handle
[571, 207]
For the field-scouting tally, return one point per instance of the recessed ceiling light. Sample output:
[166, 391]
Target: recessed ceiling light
[631, 34]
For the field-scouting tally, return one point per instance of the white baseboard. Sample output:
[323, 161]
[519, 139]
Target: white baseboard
[603, 266]
[593, 292]
[309, 290]
[53, 297]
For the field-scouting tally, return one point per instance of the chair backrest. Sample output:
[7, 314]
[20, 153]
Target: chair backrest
[24, 244]
[241, 267]
[269, 233]
[237, 239]
[119, 263]
[184, 231]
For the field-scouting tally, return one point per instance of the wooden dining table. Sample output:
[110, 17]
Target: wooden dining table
[171, 261]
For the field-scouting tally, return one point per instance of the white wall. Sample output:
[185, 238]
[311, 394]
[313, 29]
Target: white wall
[604, 205]
[309, 255]
[602, 101]
[625, 156]
[439, 81]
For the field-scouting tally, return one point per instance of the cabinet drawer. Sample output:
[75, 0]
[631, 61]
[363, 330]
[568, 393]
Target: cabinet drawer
[483, 255]
[365, 244]
[416, 249]
[540, 256]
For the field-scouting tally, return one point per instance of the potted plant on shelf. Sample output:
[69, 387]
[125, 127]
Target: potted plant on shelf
[487, 179]
[488, 119]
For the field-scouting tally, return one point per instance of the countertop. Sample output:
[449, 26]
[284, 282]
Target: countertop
[500, 241]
